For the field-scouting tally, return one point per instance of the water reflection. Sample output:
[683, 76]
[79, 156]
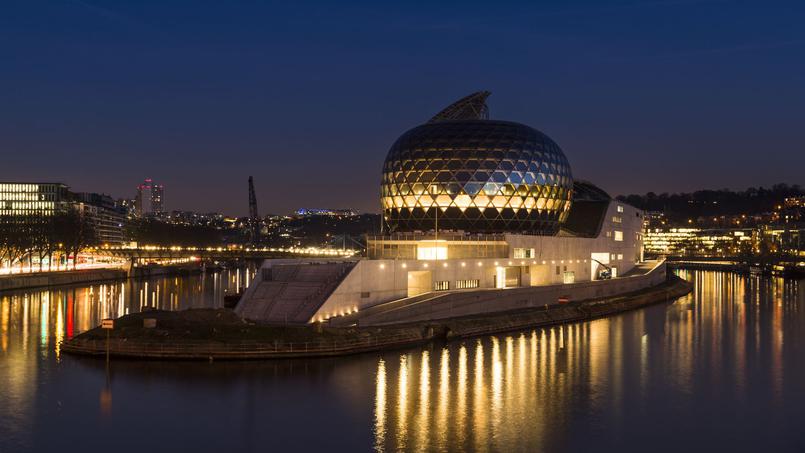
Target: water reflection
[531, 388]
[34, 323]
[720, 368]
[59, 313]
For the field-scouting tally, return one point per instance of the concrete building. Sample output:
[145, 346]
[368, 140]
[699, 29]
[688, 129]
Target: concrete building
[471, 207]
[108, 216]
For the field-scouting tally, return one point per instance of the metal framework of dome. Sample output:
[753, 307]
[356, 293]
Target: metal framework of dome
[476, 175]
[472, 107]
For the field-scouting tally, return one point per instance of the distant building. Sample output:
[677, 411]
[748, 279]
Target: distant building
[307, 212]
[20, 201]
[209, 219]
[24, 199]
[150, 199]
[697, 241]
[108, 217]
[157, 198]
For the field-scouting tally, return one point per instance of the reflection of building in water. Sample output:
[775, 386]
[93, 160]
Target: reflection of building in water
[505, 392]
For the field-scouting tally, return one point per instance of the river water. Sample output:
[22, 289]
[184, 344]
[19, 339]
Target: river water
[720, 369]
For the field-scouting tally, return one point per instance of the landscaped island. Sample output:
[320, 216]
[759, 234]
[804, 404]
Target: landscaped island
[219, 334]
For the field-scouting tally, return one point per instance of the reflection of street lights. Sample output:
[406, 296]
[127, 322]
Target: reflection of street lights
[106, 392]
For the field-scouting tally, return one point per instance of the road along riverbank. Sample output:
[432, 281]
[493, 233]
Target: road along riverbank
[219, 334]
[47, 279]
[59, 278]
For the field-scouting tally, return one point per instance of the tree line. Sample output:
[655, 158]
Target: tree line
[708, 203]
[39, 236]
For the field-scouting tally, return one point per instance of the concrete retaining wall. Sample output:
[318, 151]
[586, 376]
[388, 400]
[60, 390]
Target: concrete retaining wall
[35, 280]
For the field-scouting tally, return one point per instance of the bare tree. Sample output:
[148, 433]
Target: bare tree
[78, 232]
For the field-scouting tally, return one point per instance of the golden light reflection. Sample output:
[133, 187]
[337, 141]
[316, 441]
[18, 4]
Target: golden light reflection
[59, 328]
[443, 399]
[5, 314]
[518, 390]
[479, 401]
[461, 398]
[402, 405]
[423, 417]
[380, 407]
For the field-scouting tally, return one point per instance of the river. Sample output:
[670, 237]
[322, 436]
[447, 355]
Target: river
[720, 369]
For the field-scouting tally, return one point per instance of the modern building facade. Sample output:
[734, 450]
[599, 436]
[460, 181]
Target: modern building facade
[470, 205]
[108, 216]
[19, 199]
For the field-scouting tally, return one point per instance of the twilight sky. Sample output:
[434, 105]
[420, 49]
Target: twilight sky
[308, 96]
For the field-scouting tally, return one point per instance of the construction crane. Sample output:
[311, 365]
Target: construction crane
[254, 218]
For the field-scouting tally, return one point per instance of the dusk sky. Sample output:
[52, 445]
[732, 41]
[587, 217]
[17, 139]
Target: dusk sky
[307, 97]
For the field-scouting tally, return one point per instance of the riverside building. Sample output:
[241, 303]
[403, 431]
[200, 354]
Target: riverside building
[471, 206]
[19, 199]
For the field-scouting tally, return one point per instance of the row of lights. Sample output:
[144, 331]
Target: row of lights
[480, 263]
[342, 312]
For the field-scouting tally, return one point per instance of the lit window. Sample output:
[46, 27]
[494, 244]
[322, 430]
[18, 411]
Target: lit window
[431, 250]
[620, 208]
[467, 284]
[619, 235]
[441, 286]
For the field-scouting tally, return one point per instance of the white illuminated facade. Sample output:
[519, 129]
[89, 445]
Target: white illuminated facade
[410, 265]
[31, 199]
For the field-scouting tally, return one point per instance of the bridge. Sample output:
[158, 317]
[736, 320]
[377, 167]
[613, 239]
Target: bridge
[145, 254]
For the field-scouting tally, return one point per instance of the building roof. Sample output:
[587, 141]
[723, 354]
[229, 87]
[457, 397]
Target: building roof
[472, 107]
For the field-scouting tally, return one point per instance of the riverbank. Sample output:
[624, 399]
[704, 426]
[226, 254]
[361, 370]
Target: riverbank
[91, 276]
[218, 334]
[786, 270]
[59, 278]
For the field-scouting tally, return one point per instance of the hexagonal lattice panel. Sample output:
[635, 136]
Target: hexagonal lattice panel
[482, 176]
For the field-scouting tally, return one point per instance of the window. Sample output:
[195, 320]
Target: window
[558, 270]
[619, 235]
[620, 256]
[467, 284]
[569, 277]
[441, 286]
[617, 219]
[524, 253]
[620, 208]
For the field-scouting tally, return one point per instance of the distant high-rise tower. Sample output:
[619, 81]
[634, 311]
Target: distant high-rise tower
[150, 198]
[157, 198]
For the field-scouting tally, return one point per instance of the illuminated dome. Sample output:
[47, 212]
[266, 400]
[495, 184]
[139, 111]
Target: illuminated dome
[483, 175]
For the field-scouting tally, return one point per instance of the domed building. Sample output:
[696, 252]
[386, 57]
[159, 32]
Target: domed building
[461, 171]
[472, 209]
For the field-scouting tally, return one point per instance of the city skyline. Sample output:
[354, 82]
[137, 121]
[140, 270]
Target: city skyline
[199, 103]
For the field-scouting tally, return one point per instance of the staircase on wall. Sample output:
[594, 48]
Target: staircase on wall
[292, 293]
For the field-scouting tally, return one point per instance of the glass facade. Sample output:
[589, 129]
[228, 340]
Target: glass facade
[479, 175]
[26, 199]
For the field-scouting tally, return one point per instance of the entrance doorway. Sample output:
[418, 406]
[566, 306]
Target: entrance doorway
[419, 282]
[507, 277]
